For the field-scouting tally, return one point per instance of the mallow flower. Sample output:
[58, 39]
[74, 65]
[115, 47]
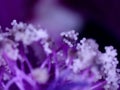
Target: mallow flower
[31, 60]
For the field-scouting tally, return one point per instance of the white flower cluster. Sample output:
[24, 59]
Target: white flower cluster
[11, 52]
[89, 56]
[27, 33]
[87, 50]
[8, 48]
[69, 37]
[109, 62]
[101, 65]
[84, 57]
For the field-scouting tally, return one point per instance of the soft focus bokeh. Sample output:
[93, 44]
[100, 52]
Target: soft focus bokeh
[51, 41]
[105, 12]
[48, 13]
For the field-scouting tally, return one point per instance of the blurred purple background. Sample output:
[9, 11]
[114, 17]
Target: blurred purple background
[105, 12]
[20, 10]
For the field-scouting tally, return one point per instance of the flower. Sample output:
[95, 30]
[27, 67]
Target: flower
[29, 59]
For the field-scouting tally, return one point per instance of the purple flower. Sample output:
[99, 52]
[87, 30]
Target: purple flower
[31, 60]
